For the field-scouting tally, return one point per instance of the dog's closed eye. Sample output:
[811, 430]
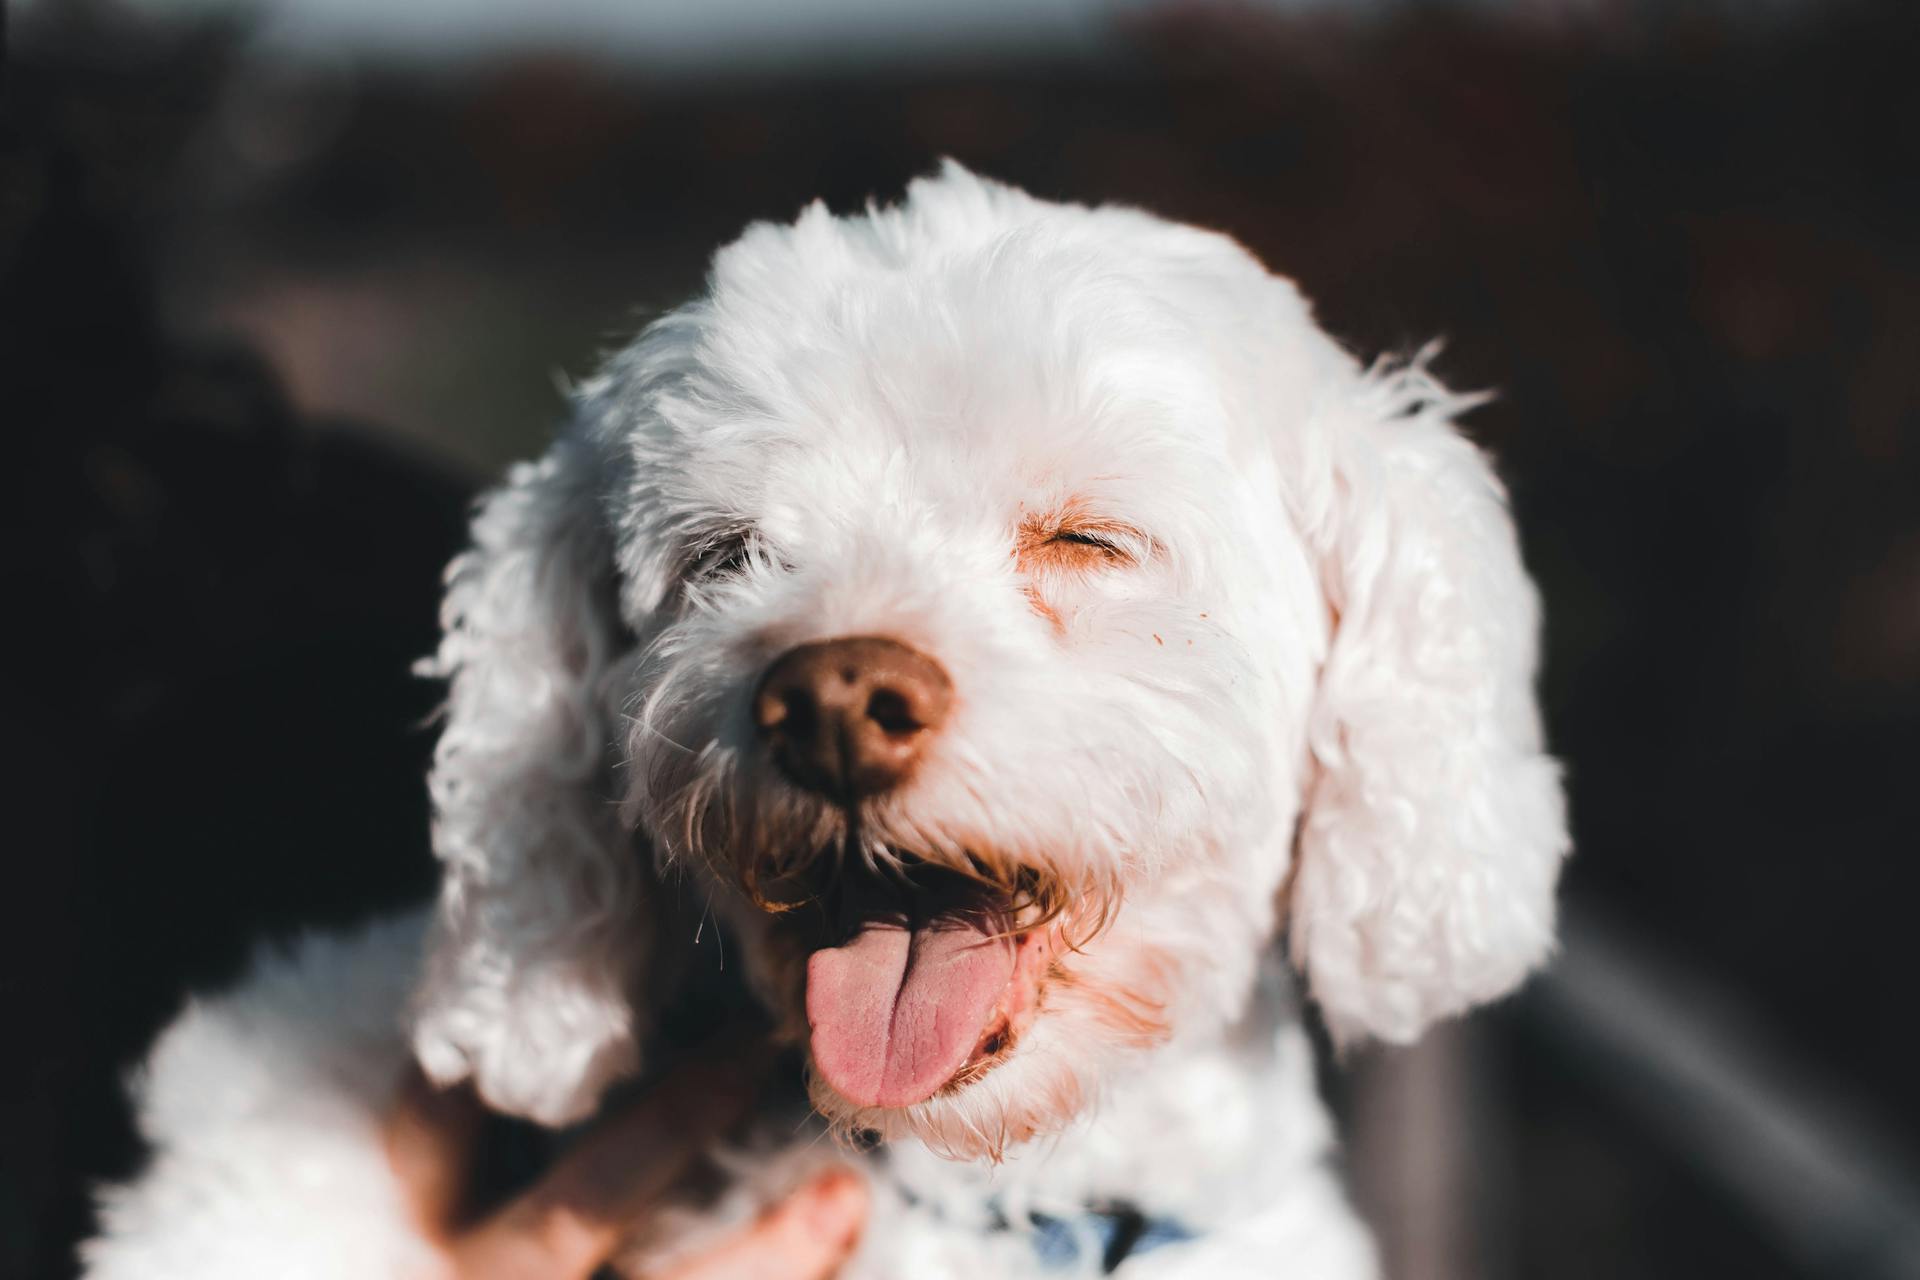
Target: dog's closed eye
[724, 555]
[1080, 538]
[1078, 545]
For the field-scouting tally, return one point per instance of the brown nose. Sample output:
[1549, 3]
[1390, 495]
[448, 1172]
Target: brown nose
[848, 718]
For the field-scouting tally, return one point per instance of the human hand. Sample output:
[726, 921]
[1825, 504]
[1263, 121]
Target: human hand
[575, 1217]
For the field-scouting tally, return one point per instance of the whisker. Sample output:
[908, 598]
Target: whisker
[636, 723]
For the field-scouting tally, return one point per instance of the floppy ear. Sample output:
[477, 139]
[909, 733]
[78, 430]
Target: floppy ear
[1434, 826]
[535, 950]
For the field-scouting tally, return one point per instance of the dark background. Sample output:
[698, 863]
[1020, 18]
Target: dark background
[267, 321]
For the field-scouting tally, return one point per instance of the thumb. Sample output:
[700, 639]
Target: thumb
[805, 1237]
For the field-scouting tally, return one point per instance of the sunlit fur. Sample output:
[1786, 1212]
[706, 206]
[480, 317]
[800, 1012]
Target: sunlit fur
[1288, 691]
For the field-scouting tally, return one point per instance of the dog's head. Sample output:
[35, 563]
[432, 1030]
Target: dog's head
[1008, 610]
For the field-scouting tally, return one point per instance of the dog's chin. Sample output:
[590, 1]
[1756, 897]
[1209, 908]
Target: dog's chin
[979, 1116]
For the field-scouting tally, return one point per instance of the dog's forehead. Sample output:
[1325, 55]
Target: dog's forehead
[980, 463]
[963, 388]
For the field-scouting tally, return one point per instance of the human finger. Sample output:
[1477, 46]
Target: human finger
[430, 1134]
[575, 1216]
[804, 1237]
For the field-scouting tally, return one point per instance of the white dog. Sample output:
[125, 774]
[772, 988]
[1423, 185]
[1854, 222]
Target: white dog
[1012, 620]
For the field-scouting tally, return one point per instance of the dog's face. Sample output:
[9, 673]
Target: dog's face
[985, 562]
[981, 636]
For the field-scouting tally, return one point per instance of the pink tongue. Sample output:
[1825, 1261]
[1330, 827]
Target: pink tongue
[896, 1012]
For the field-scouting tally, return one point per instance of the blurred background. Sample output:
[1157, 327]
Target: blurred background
[283, 282]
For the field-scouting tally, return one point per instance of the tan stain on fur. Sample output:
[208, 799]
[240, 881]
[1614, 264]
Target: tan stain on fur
[1136, 1017]
[1068, 540]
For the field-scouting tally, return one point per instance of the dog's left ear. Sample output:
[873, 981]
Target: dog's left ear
[1434, 825]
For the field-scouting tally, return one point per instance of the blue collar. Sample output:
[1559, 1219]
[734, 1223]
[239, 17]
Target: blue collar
[1112, 1233]
[1107, 1233]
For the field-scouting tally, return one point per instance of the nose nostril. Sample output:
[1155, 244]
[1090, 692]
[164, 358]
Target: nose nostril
[799, 711]
[889, 709]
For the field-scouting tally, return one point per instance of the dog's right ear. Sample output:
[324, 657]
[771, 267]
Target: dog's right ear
[534, 952]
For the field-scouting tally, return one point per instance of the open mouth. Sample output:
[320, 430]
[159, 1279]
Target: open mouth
[925, 986]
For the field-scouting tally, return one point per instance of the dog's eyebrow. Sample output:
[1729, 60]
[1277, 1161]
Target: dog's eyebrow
[1076, 517]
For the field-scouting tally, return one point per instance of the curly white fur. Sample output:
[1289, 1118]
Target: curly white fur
[1314, 645]
[530, 979]
[1432, 838]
